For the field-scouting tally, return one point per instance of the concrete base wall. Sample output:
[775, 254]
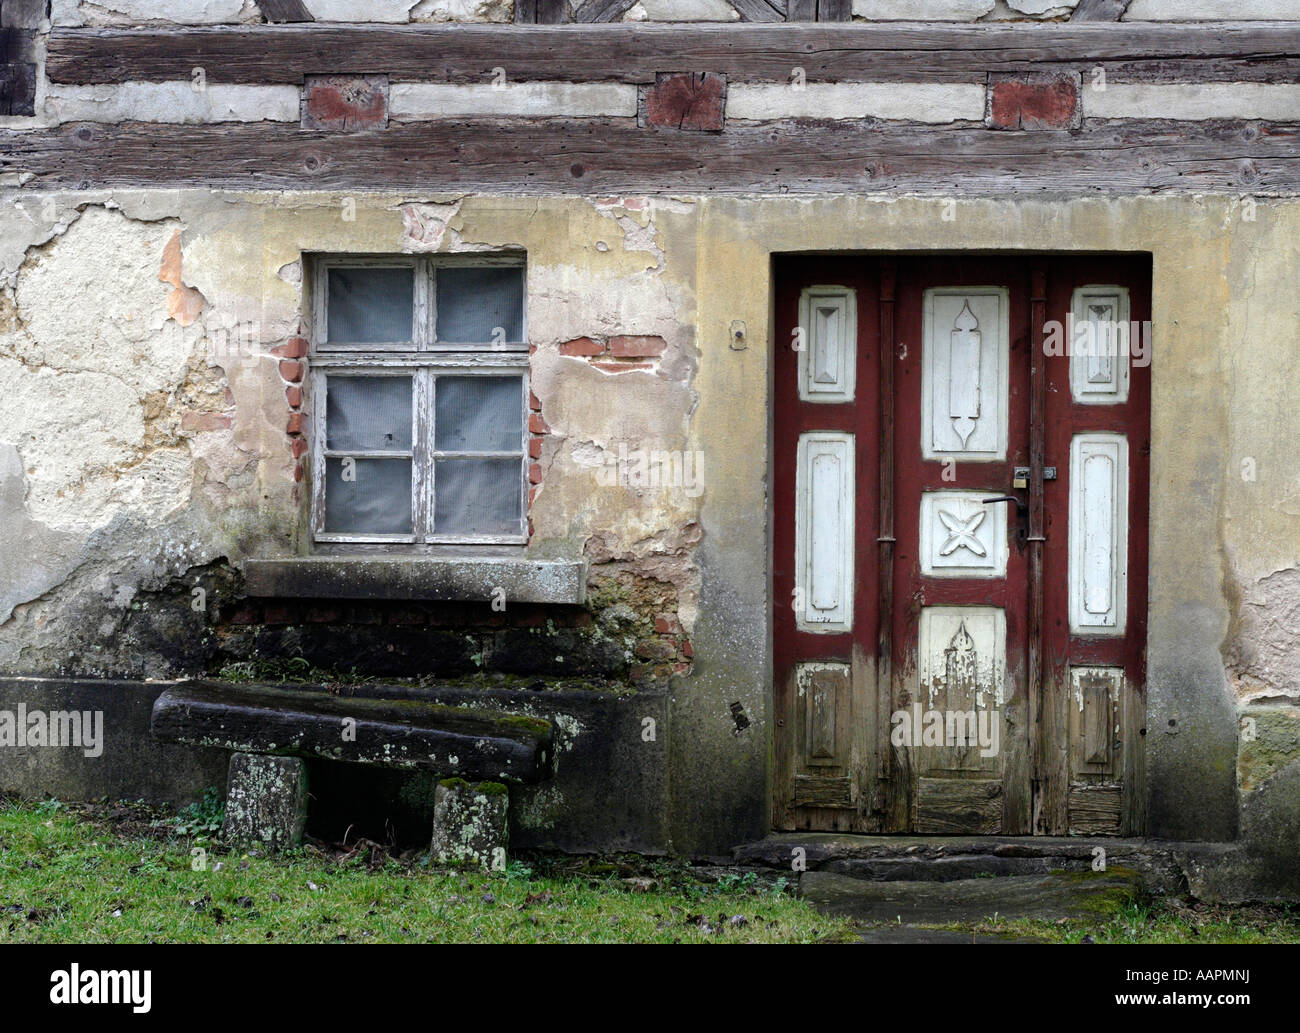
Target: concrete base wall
[129, 764]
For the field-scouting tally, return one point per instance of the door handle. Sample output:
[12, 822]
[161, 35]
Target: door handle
[1022, 507]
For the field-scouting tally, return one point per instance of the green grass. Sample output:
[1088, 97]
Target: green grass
[1159, 921]
[123, 874]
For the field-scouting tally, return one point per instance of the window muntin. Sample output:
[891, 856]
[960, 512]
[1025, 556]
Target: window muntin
[421, 441]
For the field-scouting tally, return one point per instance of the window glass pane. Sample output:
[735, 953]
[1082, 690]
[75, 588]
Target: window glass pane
[478, 414]
[370, 306]
[477, 496]
[368, 414]
[368, 496]
[472, 302]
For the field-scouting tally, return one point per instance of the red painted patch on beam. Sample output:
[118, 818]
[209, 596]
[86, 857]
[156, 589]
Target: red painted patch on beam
[687, 100]
[345, 103]
[1034, 102]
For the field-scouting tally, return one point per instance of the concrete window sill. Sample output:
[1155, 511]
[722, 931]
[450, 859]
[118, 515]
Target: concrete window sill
[419, 577]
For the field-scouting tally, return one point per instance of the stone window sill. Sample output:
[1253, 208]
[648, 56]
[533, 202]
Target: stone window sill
[419, 577]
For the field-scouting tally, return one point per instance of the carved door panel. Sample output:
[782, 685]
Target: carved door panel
[959, 717]
[959, 546]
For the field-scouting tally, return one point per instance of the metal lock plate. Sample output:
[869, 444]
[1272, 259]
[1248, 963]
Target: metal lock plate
[1020, 476]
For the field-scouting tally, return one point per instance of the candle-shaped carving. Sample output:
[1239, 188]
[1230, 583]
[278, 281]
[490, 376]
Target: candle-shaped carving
[964, 374]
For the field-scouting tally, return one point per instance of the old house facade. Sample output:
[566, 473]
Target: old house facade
[731, 397]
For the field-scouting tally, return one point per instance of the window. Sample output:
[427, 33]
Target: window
[419, 388]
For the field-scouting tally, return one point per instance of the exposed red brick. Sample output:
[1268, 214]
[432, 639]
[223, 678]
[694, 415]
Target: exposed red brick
[532, 494]
[1034, 102]
[294, 395]
[537, 425]
[322, 614]
[248, 613]
[279, 613]
[582, 346]
[667, 625]
[298, 472]
[534, 402]
[534, 473]
[621, 367]
[681, 668]
[655, 649]
[630, 347]
[407, 615]
[687, 649]
[687, 100]
[299, 447]
[345, 103]
[291, 370]
[296, 422]
[534, 448]
[296, 348]
[202, 421]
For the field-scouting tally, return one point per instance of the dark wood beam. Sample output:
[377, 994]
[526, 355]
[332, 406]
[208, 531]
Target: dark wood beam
[760, 10]
[1100, 10]
[17, 71]
[541, 12]
[284, 11]
[635, 52]
[23, 14]
[602, 11]
[611, 157]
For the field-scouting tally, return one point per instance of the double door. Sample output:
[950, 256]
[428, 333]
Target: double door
[960, 500]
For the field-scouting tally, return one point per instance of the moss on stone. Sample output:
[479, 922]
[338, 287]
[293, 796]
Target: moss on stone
[491, 789]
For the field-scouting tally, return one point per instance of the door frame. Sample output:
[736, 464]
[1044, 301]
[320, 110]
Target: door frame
[1039, 263]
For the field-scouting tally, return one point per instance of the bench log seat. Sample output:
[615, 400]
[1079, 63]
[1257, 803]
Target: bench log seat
[309, 721]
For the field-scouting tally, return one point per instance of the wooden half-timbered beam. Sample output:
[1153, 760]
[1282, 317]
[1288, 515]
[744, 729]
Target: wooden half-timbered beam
[284, 11]
[617, 156]
[636, 52]
[1100, 10]
[541, 12]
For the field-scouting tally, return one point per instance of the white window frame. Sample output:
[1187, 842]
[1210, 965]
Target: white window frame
[423, 359]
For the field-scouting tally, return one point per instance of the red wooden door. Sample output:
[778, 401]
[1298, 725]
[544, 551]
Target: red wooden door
[960, 519]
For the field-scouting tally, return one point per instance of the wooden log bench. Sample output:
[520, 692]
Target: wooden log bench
[272, 729]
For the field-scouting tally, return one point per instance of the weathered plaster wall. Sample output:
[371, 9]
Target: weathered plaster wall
[145, 446]
[140, 448]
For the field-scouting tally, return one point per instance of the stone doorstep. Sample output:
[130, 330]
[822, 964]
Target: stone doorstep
[310, 721]
[911, 904]
[1163, 865]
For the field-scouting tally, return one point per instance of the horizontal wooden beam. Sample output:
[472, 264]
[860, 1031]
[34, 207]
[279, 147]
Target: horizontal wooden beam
[617, 157]
[1243, 51]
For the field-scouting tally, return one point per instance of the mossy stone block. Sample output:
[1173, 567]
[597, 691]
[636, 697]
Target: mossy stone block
[266, 801]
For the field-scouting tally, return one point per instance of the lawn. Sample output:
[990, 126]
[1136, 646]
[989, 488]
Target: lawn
[126, 873]
[1158, 921]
